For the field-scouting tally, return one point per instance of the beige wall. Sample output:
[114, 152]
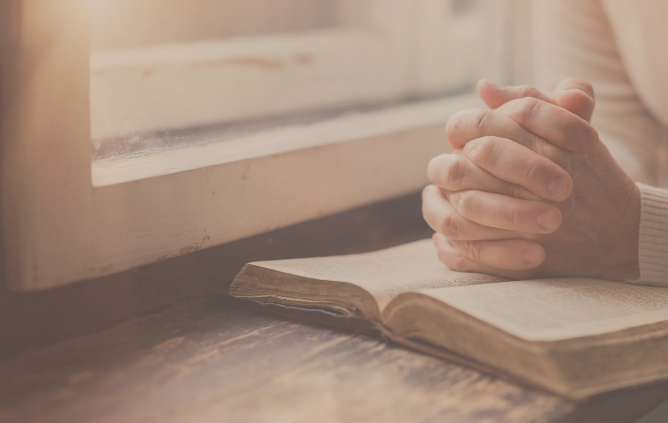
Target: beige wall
[522, 44]
[136, 23]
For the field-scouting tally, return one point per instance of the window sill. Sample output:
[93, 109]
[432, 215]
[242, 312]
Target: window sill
[211, 152]
[147, 208]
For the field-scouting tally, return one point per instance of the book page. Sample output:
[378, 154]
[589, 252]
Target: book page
[554, 309]
[385, 273]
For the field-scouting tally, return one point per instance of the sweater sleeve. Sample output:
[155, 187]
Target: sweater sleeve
[653, 240]
[574, 38]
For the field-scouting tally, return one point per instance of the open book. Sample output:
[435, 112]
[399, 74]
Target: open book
[574, 337]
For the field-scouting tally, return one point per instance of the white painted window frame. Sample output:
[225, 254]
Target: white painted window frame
[403, 48]
[66, 221]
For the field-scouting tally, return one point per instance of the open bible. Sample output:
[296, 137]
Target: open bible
[574, 337]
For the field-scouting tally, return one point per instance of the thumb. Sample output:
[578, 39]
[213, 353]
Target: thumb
[577, 96]
[495, 95]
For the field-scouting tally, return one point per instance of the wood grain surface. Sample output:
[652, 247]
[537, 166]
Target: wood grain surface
[200, 362]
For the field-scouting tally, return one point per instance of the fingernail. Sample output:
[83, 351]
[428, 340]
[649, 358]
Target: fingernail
[493, 84]
[546, 220]
[531, 256]
[587, 140]
[557, 186]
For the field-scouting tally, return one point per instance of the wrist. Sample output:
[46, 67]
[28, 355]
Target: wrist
[624, 263]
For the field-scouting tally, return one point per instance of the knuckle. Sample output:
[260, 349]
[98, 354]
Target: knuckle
[464, 202]
[528, 91]
[554, 154]
[525, 109]
[448, 226]
[512, 213]
[528, 170]
[473, 250]
[453, 260]
[514, 190]
[548, 150]
[454, 173]
[458, 263]
[544, 148]
[446, 171]
[466, 125]
[482, 121]
[481, 150]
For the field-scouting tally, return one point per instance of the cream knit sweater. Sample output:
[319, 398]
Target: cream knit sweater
[621, 46]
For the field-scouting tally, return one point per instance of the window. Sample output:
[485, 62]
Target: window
[160, 66]
[209, 120]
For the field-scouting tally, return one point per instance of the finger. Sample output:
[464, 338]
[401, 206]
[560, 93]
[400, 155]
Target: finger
[510, 254]
[552, 123]
[495, 95]
[573, 94]
[444, 219]
[454, 260]
[503, 212]
[468, 125]
[514, 163]
[456, 172]
[577, 96]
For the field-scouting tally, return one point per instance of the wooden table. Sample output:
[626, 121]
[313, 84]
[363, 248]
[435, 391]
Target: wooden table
[204, 363]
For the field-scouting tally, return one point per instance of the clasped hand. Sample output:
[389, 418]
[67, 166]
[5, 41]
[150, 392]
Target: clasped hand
[530, 190]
